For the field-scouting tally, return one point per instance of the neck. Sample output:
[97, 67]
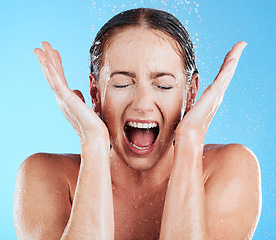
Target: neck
[134, 180]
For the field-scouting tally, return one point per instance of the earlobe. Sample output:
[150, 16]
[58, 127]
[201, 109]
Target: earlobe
[192, 92]
[95, 94]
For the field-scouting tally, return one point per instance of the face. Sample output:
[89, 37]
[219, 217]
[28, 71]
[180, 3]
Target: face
[141, 94]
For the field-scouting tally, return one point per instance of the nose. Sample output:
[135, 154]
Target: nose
[142, 99]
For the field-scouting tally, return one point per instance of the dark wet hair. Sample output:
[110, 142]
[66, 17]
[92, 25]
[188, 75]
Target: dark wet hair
[147, 18]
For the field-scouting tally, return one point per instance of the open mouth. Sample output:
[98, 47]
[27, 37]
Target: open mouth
[141, 136]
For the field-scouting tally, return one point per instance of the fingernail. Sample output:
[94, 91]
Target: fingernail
[244, 45]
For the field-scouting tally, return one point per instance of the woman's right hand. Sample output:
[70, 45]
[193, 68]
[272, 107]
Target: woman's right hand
[94, 189]
[87, 124]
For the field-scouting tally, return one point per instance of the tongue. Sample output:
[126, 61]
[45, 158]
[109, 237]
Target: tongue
[142, 137]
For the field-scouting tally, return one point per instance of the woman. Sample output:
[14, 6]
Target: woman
[157, 180]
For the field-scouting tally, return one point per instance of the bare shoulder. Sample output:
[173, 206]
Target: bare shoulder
[55, 165]
[51, 168]
[233, 190]
[229, 158]
[44, 188]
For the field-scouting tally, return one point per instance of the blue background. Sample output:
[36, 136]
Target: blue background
[31, 122]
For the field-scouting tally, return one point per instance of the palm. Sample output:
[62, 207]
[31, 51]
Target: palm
[84, 120]
[197, 121]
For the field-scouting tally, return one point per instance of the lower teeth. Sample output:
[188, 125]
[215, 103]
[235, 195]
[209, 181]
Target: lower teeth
[140, 148]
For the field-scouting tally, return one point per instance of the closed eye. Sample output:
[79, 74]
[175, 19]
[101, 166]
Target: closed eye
[164, 87]
[121, 86]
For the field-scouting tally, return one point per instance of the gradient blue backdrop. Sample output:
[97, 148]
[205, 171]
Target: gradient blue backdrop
[31, 122]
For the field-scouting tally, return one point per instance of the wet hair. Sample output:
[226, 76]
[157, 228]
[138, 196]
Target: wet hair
[146, 18]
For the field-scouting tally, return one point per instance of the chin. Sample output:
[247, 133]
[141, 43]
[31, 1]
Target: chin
[141, 164]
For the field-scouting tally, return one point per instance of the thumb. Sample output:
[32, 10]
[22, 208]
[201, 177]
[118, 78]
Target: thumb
[79, 94]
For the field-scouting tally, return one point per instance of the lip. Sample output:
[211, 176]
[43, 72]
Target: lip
[140, 151]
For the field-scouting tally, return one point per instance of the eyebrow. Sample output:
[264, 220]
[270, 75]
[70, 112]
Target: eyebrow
[128, 74]
[133, 75]
[161, 74]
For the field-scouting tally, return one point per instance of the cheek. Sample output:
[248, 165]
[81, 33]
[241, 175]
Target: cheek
[170, 107]
[173, 105]
[113, 105]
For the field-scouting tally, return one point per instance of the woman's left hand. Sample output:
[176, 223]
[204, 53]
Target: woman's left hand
[187, 198]
[194, 125]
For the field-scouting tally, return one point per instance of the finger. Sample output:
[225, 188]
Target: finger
[79, 94]
[56, 81]
[49, 52]
[44, 56]
[234, 53]
[223, 79]
[217, 91]
[202, 113]
[54, 57]
[41, 56]
[234, 56]
[211, 98]
[58, 61]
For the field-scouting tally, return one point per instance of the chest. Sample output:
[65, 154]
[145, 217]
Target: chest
[137, 216]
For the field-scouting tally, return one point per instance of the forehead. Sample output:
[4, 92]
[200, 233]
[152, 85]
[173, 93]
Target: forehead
[140, 46]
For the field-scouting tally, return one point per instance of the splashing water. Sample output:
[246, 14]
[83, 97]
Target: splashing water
[185, 11]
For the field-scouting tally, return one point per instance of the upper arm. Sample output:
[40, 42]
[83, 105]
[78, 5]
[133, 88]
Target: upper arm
[233, 194]
[41, 203]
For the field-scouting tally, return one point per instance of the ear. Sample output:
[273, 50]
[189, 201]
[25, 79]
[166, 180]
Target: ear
[95, 94]
[192, 92]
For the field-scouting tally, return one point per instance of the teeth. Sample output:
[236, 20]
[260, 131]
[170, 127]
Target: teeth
[140, 148]
[142, 125]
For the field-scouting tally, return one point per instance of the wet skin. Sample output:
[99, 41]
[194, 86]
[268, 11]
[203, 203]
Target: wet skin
[213, 192]
[142, 80]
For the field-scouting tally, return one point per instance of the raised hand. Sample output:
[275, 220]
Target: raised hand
[187, 198]
[93, 191]
[195, 124]
[84, 120]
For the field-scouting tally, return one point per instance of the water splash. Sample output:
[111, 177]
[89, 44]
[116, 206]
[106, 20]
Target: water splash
[185, 11]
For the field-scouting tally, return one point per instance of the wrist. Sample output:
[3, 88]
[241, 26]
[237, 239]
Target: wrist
[94, 144]
[95, 151]
[189, 144]
[187, 135]
[188, 154]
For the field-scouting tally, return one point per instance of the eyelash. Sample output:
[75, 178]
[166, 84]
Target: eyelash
[121, 86]
[160, 87]
[164, 88]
